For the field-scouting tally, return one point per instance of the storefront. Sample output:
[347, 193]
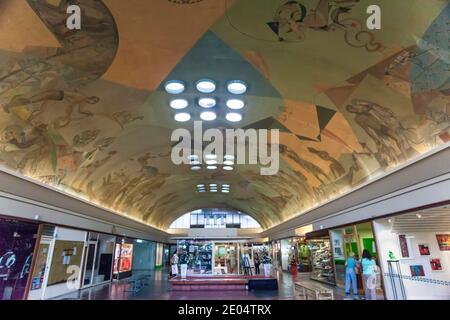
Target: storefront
[144, 256]
[17, 244]
[415, 254]
[123, 258]
[59, 262]
[248, 254]
[295, 253]
[356, 239]
[98, 261]
[199, 255]
[322, 268]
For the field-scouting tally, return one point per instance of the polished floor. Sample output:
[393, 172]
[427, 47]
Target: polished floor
[159, 289]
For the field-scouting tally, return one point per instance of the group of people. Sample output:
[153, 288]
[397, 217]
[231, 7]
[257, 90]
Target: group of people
[368, 267]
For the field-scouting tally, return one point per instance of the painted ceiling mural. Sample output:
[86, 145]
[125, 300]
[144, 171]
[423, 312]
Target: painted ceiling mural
[85, 111]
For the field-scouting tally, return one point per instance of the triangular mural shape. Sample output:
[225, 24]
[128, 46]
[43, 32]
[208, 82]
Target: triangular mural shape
[324, 116]
[212, 58]
[268, 123]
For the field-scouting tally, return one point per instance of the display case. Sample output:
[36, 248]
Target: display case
[199, 255]
[321, 261]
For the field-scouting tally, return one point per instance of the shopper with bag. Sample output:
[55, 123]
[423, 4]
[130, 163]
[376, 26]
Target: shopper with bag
[174, 264]
[369, 267]
[351, 267]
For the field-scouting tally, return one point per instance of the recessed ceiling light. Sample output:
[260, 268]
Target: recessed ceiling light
[206, 86]
[419, 215]
[174, 87]
[210, 156]
[234, 117]
[182, 117]
[179, 104]
[235, 104]
[228, 162]
[194, 163]
[226, 191]
[211, 162]
[195, 168]
[215, 190]
[208, 116]
[228, 168]
[203, 190]
[211, 167]
[213, 185]
[237, 87]
[200, 186]
[228, 157]
[225, 185]
[207, 102]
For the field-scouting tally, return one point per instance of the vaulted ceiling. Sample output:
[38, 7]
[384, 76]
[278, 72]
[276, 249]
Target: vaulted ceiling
[85, 111]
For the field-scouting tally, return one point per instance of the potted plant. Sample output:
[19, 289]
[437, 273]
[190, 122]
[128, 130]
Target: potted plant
[183, 265]
[267, 263]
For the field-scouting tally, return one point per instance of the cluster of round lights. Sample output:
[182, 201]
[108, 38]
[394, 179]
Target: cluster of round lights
[213, 188]
[211, 162]
[207, 86]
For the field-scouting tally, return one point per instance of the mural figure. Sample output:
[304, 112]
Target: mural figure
[335, 167]
[382, 125]
[293, 19]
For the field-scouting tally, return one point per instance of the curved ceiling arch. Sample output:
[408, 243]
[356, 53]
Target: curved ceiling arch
[91, 117]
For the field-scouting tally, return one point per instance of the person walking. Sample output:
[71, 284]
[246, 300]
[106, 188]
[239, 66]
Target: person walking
[257, 262]
[351, 266]
[369, 266]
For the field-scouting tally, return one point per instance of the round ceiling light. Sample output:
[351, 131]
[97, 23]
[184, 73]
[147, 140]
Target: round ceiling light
[228, 157]
[174, 87]
[211, 162]
[179, 104]
[213, 190]
[206, 86]
[210, 156]
[207, 102]
[235, 104]
[195, 168]
[193, 157]
[211, 167]
[228, 162]
[212, 185]
[225, 186]
[233, 117]
[237, 87]
[200, 186]
[182, 117]
[225, 191]
[228, 168]
[203, 190]
[208, 116]
[194, 163]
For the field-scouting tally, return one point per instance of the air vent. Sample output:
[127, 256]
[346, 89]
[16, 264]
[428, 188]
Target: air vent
[48, 232]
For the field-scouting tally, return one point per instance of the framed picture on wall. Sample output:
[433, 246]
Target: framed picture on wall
[424, 249]
[417, 271]
[404, 246]
[436, 264]
[443, 241]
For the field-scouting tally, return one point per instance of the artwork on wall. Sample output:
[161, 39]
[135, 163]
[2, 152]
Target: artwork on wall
[436, 264]
[65, 254]
[404, 246]
[443, 241]
[17, 241]
[424, 249]
[417, 271]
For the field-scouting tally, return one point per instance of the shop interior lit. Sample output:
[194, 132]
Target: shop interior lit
[224, 149]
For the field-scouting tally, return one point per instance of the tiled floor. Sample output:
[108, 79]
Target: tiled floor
[159, 289]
